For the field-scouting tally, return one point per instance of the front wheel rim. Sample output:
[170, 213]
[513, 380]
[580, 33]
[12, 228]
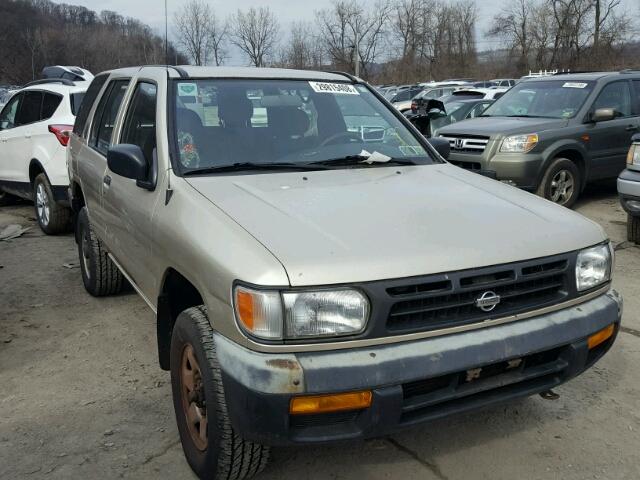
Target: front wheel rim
[562, 187]
[194, 404]
[85, 248]
[42, 205]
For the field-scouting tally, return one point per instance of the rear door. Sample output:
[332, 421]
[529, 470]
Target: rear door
[9, 153]
[93, 155]
[128, 207]
[609, 140]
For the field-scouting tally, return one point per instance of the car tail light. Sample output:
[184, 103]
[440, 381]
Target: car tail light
[62, 133]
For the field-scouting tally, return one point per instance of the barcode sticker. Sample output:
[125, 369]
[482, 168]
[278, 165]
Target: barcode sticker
[340, 88]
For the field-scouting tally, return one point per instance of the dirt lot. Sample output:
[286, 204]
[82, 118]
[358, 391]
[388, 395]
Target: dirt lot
[81, 395]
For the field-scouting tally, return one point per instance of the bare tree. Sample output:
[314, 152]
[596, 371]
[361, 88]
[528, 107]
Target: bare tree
[193, 30]
[303, 49]
[354, 33]
[218, 35]
[255, 32]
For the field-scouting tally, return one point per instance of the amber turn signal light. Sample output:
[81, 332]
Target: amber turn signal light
[330, 403]
[600, 337]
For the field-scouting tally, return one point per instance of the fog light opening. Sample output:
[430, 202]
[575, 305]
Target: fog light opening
[600, 337]
[313, 404]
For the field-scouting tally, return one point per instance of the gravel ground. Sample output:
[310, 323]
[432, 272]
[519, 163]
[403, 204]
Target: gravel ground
[81, 395]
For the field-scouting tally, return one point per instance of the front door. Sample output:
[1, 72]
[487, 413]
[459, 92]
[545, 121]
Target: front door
[609, 140]
[129, 208]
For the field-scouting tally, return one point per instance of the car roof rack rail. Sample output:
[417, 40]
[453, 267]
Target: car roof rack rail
[630, 70]
[348, 75]
[181, 71]
[63, 81]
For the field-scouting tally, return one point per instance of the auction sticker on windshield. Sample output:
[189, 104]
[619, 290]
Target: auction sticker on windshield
[187, 90]
[325, 87]
[575, 85]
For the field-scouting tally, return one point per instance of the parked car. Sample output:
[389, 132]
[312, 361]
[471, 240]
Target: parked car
[423, 97]
[504, 82]
[438, 114]
[551, 135]
[402, 100]
[313, 283]
[475, 93]
[629, 190]
[484, 84]
[34, 132]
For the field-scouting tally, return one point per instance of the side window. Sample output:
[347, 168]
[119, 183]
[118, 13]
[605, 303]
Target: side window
[105, 117]
[140, 121]
[636, 87]
[84, 108]
[616, 95]
[477, 110]
[9, 112]
[50, 104]
[30, 108]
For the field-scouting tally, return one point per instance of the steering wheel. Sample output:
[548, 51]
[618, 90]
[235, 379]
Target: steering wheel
[337, 136]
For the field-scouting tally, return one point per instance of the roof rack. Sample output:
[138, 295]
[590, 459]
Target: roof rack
[571, 72]
[181, 71]
[630, 70]
[345, 74]
[63, 81]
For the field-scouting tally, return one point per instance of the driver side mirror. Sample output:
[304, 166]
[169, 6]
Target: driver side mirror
[128, 161]
[441, 146]
[603, 115]
[436, 113]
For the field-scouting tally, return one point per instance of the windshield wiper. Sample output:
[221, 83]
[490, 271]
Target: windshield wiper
[236, 167]
[361, 160]
[527, 116]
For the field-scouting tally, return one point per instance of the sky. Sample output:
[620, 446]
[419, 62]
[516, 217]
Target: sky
[151, 12]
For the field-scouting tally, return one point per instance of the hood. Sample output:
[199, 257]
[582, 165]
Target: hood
[355, 225]
[502, 126]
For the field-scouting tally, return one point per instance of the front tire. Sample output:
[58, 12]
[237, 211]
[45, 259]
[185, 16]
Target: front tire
[52, 217]
[212, 448]
[561, 182]
[633, 229]
[100, 275]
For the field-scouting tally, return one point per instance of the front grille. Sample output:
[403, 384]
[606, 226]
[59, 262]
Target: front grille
[467, 143]
[459, 391]
[453, 301]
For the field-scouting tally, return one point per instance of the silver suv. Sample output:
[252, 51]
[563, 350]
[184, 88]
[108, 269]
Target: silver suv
[318, 271]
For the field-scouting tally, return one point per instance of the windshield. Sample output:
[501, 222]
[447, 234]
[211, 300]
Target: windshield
[548, 99]
[456, 111]
[227, 122]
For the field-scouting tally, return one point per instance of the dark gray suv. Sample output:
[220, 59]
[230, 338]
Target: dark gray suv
[552, 135]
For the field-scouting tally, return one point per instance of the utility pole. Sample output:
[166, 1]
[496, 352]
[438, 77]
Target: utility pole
[357, 53]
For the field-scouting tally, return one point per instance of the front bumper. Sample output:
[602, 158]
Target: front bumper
[411, 382]
[520, 169]
[629, 191]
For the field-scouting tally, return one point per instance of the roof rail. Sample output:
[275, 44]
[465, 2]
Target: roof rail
[181, 71]
[576, 71]
[348, 75]
[63, 81]
[630, 70]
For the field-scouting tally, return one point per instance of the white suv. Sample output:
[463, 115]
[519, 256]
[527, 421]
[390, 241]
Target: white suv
[34, 132]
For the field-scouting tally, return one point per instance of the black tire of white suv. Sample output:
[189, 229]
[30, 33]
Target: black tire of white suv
[561, 182]
[52, 217]
[633, 229]
[100, 276]
[212, 448]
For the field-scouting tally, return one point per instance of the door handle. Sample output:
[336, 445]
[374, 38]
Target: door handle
[27, 135]
[631, 128]
[106, 180]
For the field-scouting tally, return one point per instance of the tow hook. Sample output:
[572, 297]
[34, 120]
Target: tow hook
[550, 395]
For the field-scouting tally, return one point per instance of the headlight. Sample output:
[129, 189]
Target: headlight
[519, 143]
[633, 157]
[593, 267]
[273, 315]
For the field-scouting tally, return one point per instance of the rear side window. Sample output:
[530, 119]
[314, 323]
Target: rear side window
[105, 117]
[50, 104]
[76, 100]
[84, 107]
[30, 108]
[140, 122]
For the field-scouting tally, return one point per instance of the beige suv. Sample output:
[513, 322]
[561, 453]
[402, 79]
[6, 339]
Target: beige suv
[318, 271]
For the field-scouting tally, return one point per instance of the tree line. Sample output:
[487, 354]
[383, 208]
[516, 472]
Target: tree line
[409, 40]
[37, 33]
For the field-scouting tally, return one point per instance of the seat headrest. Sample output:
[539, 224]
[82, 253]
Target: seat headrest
[188, 120]
[288, 121]
[234, 108]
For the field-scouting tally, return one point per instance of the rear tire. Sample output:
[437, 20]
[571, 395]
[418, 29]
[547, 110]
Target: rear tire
[100, 275]
[633, 229]
[561, 182]
[212, 448]
[52, 217]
